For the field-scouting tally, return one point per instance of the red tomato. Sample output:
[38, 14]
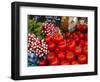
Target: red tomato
[81, 27]
[74, 62]
[51, 56]
[86, 43]
[42, 62]
[85, 50]
[57, 37]
[78, 33]
[82, 59]
[86, 36]
[81, 43]
[68, 40]
[76, 38]
[62, 45]
[81, 36]
[54, 62]
[70, 56]
[57, 50]
[67, 34]
[78, 50]
[51, 46]
[71, 45]
[77, 27]
[47, 38]
[74, 34]
[64, 62]
[61, 55]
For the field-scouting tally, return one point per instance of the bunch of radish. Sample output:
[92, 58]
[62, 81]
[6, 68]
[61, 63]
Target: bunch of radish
[48, 28]
[36, 45]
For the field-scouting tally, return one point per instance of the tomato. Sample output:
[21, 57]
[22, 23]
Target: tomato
[47, 38]
[77, 27]
[71, 45]
[81, 27]
[85, 50]
[62, 45]
[42, 62]
[74, 62]
[77, 50]
[51, 46]
[57, 50]
[68, 40]
[82, 59]
[51, 56]
[78, 33]
[70, 56]
[86, 36]
[81, 36]
[75, 37]
[74, 34]
[57, 37]
[67, 34]
[81, 43]
[54, 62]
[61, 55]
[65, 62]
[86, 43]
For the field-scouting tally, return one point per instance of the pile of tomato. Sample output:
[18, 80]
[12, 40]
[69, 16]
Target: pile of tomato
[67, 49]
[59, 48]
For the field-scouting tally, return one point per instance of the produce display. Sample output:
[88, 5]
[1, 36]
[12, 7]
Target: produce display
[57, 40]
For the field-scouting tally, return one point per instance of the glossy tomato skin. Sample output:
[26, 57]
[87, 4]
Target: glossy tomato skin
[76, 38]
[64, 62]
[62, 45]
[81, 43]
[42, 62]
[67, 34]
[82, 59]
[85, 50]
[61, 55]
[71, 45]
[77, 50]
[54, 62]
[57, 50]
[74, 35]
[86, 43]
[57, 38]
[47, 38]
[74, 62]
[81, 27]
[68, 40]
[51, 46]
[86, 36]
[81, 36]
[69, 56]
[51, 56]
[78, 33]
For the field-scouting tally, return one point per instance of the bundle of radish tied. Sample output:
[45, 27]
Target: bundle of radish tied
[38, 46]
[48, 44]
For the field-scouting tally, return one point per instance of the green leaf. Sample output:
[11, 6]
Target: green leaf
[34, 27]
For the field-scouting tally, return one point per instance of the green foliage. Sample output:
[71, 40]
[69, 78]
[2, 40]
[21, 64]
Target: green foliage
[34, 27]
